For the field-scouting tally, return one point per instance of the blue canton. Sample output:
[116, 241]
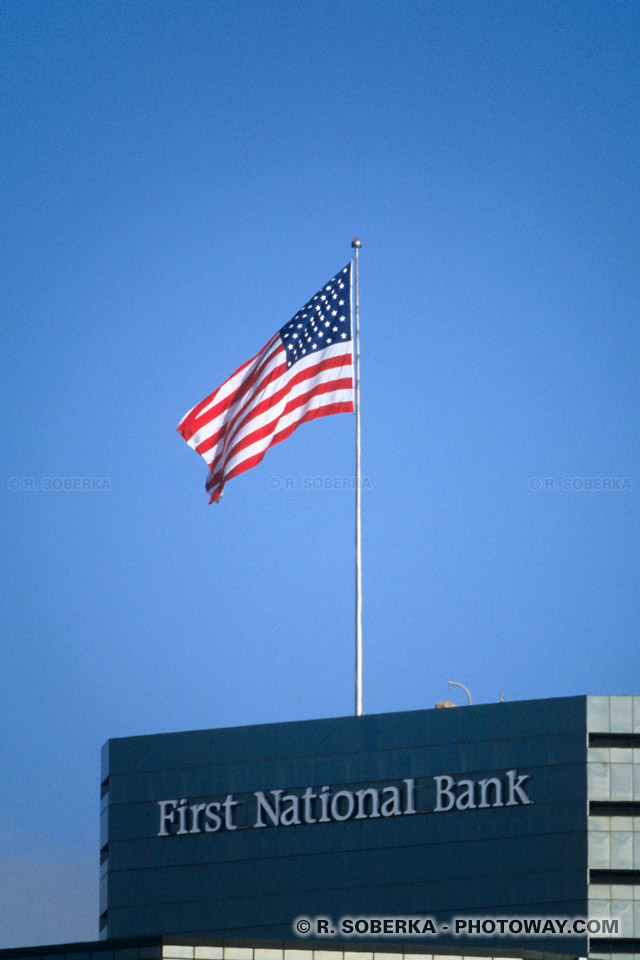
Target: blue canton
[324, 321]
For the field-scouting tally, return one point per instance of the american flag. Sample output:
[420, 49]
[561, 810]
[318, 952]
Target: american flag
[304, 371]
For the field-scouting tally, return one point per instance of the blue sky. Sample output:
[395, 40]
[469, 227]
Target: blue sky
[177, 179]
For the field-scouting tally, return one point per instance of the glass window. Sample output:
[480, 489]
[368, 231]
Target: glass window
[621, 714]
[621, 781]
[636, 714]
[622, 850]
[598, 714]
[622, 910]
[598, 781]
[599, 850]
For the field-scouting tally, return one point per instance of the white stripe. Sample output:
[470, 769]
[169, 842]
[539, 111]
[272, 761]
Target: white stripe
[344, 395]
[213, 396]
[315, 403]
[209, 429]
[235, 380]
[335, 350]
[252, 399]
[230, 439]
[296, 390]
[341, 395]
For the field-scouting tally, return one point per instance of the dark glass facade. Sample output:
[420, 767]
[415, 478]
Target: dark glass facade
[175, 859]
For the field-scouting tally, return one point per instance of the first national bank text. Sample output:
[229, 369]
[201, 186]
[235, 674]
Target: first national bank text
[275, 808]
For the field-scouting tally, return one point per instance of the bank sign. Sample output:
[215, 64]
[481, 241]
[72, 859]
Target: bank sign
[275, 808]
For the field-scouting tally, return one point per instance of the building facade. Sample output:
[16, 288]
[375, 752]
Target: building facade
[168, 947]
[507, 810]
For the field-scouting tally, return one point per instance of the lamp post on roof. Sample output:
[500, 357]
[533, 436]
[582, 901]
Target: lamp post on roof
[452, 683]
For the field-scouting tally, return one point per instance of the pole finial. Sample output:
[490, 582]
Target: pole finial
[355, 243]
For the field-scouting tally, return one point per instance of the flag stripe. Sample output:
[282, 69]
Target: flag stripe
[209, 426]
[267, 428]
[323, 371]
[200, 408]
[213, 433]
[215, 489]
[273, 352]
[336, 396]
[303, 372]
[220, 400]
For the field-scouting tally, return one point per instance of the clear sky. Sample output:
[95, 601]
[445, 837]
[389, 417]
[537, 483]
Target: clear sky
[177, 179]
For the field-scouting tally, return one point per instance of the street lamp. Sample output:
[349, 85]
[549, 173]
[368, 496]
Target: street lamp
[452, 683]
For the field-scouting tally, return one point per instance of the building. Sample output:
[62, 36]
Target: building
[167, 947]
[292, 841]
[499, 811]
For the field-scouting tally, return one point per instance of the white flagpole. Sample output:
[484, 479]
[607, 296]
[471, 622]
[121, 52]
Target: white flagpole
[356, 244]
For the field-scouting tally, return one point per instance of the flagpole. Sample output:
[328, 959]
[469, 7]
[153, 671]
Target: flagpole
[356, 244]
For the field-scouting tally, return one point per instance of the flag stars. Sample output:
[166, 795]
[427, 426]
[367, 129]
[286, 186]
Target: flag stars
[322, 322]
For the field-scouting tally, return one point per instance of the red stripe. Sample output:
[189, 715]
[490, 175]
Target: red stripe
[217, 471]
[342, 407]
[185, 425]
[276, 374]
[234, 427]
[268, 428]
[200, 421]
[195, 412]
[245, 439]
